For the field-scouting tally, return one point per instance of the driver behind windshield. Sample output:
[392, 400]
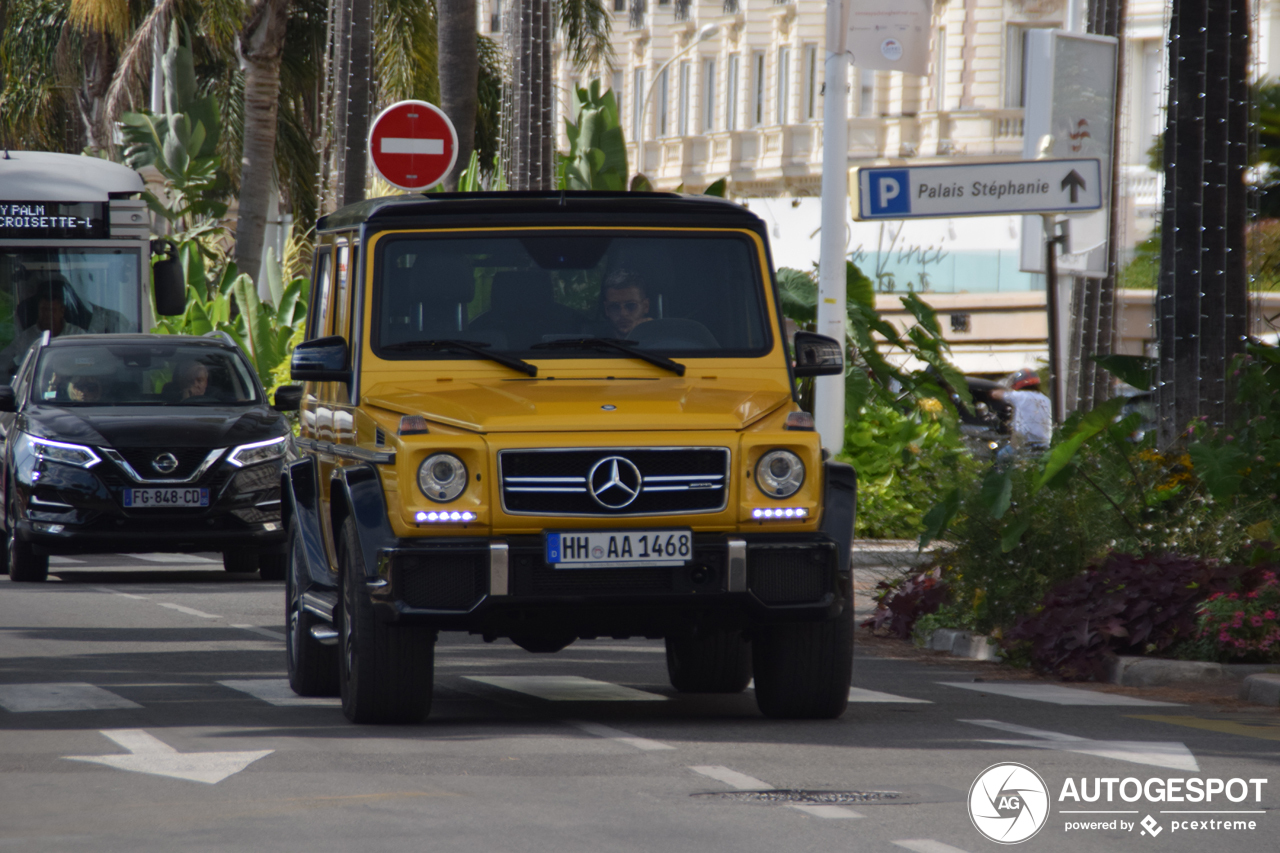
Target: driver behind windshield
[194, 380]
[625, 302]
[84, 389]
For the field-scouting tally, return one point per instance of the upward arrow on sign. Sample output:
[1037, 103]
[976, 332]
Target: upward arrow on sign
[1075, 182]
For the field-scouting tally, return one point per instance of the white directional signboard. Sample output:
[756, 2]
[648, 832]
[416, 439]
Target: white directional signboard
[979, 189]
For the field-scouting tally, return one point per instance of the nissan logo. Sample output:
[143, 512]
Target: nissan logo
[614, 482]
[165, 463]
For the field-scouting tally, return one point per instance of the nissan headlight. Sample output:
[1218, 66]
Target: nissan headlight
[260, 451]
[60, 451]
[442, 477]
[779, 473]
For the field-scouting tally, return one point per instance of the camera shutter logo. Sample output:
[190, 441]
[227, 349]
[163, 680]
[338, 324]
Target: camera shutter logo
[1008, 803]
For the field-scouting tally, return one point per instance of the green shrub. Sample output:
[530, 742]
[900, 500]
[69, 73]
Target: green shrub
[1244, 625]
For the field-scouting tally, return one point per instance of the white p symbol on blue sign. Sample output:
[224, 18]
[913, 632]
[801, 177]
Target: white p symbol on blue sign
[890, 192]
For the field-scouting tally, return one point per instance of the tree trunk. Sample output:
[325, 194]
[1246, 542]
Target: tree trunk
[459, 72]
[99, 67]
[261, 43]
[353, 112]
[528, 142]
[1201, 299]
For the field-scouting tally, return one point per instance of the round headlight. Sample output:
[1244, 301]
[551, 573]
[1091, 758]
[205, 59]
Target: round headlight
[442, 477]
[779, 473]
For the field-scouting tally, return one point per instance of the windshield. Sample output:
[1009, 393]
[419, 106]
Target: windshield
[548, 295]
[66, 292]
[98, 374]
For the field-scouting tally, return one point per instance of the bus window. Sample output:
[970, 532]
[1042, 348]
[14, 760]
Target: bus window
[65, 291]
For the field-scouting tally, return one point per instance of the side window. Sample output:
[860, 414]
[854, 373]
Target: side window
[321, 289]
[348, 261]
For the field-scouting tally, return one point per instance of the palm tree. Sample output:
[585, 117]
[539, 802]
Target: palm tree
[459, 73]
[585, 26]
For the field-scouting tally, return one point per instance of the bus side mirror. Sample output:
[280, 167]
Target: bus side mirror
[288, 398]
[167, 281]
[321, 360]
[817, 355]
[8, 402]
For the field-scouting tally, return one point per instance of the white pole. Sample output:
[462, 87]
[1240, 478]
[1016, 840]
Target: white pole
[829, 390]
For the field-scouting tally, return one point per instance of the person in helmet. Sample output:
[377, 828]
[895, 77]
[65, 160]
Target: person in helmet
[1031, 427]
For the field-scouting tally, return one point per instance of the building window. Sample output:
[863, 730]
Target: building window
[686, 92]
[811, 81]
[731, 92]
[619, 5]
[495, 20]
[708, 96]
[757, 90]
[866, 93]
[784, 84]
[940, 71]
[664, 91]
[637, 105]
[615, 83]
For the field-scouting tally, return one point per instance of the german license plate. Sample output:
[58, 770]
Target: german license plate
[607, 549]
[162, 498]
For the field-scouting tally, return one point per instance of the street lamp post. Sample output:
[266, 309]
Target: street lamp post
[704, 33]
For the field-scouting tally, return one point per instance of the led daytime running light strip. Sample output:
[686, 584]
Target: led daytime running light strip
[437, 517]
[780, 513]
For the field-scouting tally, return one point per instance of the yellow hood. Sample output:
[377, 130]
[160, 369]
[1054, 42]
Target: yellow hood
[555, 405]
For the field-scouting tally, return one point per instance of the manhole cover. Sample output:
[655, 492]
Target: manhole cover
[826, 798]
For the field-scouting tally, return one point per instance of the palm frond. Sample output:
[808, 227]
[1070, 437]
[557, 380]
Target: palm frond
[105, 16]
[586, 26]
[136, 60]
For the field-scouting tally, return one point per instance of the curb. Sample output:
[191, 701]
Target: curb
[890, 553]
[964, 644]
[1262, 688]
[1134, 671]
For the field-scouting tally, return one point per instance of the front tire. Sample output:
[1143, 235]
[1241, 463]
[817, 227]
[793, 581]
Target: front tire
[385, 672]
[803, 670]
[24, 565]
[312, 666]
[273, 567]
[240, 562]
[712, 660]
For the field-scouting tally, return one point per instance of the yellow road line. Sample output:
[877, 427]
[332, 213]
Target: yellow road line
[1227, 727]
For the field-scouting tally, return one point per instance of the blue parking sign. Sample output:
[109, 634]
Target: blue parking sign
[890, 191]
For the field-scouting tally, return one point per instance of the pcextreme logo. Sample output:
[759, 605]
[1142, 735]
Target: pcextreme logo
[1008, 803]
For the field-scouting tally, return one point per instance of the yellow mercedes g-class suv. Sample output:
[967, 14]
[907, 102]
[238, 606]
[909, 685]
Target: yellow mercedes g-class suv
[554, 416]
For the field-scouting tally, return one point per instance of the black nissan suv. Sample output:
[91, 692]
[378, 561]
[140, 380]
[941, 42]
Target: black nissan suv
[128, 443]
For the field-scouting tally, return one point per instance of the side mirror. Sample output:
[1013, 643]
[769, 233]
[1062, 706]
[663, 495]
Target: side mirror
[288, 398]
[817, 355]
[167, 281]
[321, 360]
[8, 402]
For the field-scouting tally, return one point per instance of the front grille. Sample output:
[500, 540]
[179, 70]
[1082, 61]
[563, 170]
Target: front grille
[625, 481]
[788, 575]
[140, 458]
[440, 581]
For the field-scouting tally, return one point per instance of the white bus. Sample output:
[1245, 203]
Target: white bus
[75, 252]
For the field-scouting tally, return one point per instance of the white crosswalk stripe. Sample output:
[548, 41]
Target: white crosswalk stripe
[567, 688]
[927, 845]
[1053, 693]
[277, 692]
[860, 694]
[70, 696]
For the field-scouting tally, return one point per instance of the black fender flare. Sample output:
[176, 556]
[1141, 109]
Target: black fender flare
[839, 508]
[356, 490]
[300, 503]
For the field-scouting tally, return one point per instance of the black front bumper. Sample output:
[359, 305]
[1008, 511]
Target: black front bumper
[66, 510]
[505, 587]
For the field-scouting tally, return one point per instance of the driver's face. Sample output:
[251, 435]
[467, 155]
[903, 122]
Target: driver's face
[50, 316]
[84, 390]
[626, 308]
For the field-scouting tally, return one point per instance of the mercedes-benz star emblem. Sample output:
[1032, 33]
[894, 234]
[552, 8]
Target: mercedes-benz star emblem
[614, 482]
[165, 463]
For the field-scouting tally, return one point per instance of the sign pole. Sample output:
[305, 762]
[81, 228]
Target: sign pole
[1051, 240]
[828, 405]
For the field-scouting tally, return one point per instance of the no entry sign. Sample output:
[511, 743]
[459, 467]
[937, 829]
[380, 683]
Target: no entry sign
[413, 145]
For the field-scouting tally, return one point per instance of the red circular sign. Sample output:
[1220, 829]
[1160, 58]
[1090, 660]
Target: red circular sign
[413, 145]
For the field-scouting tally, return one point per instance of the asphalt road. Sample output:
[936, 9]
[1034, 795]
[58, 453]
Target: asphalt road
[143, 707]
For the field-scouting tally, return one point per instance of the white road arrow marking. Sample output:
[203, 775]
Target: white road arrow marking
[405, 145]
[1171, 754]
[149, 754]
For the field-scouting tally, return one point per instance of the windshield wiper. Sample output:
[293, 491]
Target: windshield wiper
[473, 347]
[614, 343]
